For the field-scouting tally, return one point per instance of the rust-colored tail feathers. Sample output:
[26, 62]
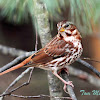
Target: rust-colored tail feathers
[17, 66]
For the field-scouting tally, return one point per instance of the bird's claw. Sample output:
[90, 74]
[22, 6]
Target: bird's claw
[68, 83]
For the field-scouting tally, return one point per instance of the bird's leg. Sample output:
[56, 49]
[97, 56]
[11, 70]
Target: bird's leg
[65, 69]
[65, 83]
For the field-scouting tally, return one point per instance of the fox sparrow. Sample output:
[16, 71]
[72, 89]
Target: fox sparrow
[62, 50]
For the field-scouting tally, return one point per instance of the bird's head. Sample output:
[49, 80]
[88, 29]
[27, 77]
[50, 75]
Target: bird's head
[68, 31]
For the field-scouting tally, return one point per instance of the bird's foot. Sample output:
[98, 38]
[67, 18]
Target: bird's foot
[67, 83]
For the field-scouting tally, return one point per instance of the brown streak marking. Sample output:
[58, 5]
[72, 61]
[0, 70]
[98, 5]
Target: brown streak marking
[69, 54]
[69, 60]
[76, 49]
[61, 61]
[53, 62]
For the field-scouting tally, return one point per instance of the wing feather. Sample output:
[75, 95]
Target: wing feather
[54, 49]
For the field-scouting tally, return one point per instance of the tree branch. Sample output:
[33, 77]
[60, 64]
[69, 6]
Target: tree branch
[15, 61]
[16, 80]
[89, 66]
[42, 19]
[69, 88]
[12, 51]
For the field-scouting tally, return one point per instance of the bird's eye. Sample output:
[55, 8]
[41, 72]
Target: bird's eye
[66, 26]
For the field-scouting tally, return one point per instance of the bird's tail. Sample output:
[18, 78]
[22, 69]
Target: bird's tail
[16, 66]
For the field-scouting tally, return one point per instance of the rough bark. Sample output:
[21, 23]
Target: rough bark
[41, 17]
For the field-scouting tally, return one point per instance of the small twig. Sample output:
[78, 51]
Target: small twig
[39, 96]
[24, 84]
[89, 66]
[16, 80]
[12, 51]
[16, 60]
[85, 58]
[36, 42]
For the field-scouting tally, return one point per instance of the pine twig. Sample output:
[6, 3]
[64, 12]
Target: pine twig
[85, 58]
[15, 61]
[89, 66]
[40, 96]
[16, 80]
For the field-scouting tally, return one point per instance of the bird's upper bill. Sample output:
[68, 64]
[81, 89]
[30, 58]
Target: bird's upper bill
[62, 29]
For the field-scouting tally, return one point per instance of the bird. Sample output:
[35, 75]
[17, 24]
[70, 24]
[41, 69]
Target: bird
[61, 51]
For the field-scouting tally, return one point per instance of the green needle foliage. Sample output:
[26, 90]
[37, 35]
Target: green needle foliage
[14, 10]
[81, 12]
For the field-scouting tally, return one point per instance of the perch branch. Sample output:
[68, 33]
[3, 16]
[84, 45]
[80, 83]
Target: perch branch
[69, 88]
[42, 21]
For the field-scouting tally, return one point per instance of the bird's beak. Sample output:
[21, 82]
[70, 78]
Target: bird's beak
[62, 29]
